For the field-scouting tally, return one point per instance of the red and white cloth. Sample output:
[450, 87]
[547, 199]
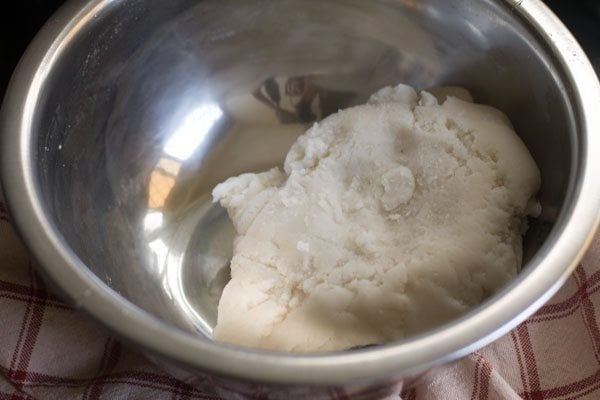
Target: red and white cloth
[50, 351]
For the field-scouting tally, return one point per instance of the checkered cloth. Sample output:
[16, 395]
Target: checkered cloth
[49, 351]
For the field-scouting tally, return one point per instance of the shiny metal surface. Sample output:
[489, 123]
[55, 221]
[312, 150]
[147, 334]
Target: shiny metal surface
[123, 115]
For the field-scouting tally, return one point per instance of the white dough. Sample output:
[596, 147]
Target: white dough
[390, 218]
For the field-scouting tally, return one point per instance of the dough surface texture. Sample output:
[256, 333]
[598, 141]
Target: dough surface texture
[389, 218]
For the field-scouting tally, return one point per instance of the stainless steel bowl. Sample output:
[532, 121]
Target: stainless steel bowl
[124, 114]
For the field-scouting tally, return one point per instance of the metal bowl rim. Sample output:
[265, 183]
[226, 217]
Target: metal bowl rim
[547, 271]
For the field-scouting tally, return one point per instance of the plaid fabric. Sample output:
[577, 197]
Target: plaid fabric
[49, 351]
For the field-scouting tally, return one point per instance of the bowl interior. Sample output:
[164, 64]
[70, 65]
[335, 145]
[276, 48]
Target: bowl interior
[152, 103]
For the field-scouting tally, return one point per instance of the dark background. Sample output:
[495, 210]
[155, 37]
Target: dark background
[20, 22]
